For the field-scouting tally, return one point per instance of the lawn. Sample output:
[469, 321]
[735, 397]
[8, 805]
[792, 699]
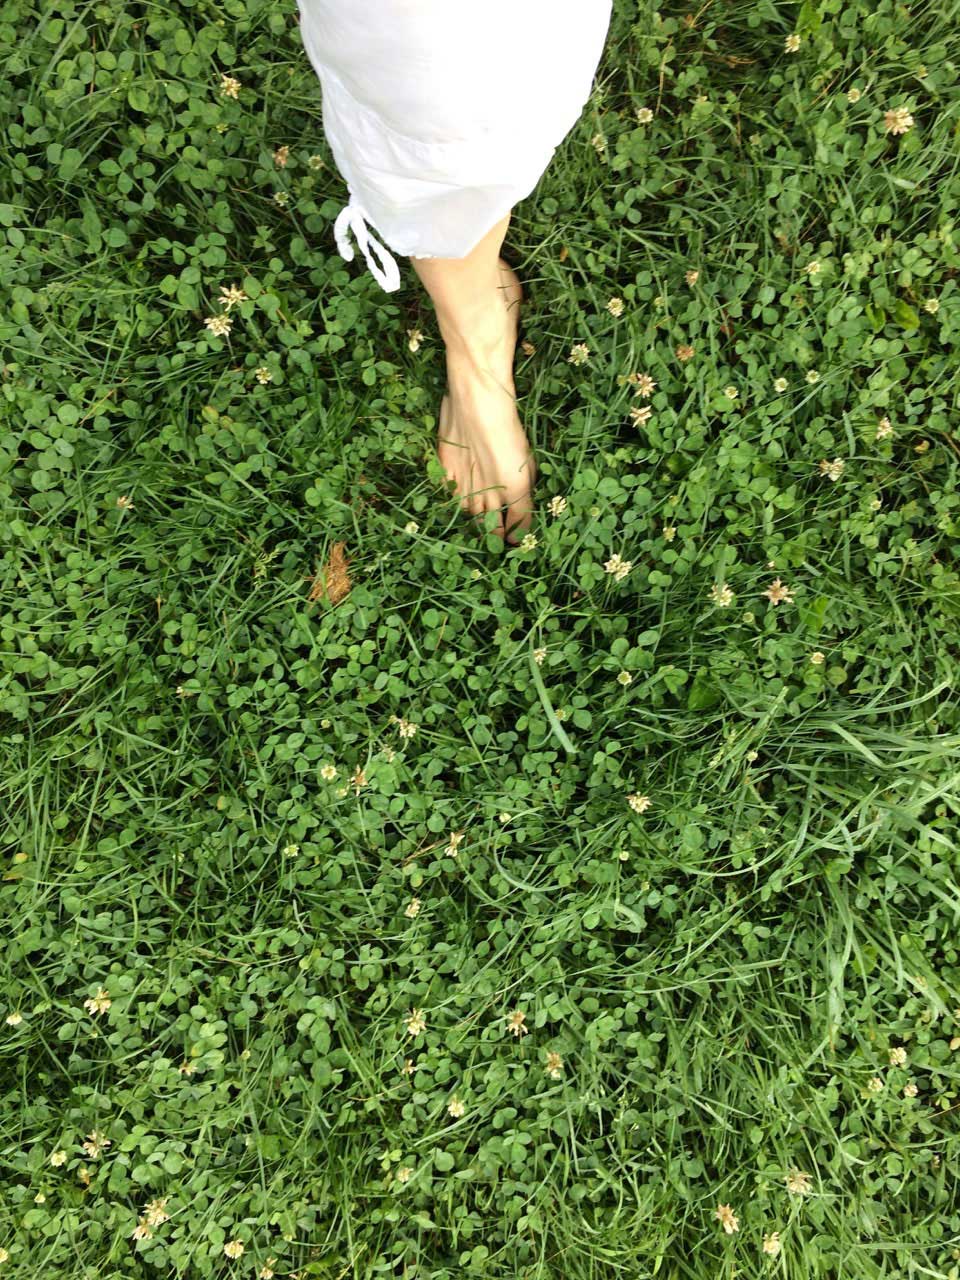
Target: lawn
[384, 902]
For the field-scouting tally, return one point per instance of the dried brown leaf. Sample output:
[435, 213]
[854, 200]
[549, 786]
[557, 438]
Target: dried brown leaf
[334, 579]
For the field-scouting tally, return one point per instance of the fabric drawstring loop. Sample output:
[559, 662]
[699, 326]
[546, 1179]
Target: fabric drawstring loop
[383, 266]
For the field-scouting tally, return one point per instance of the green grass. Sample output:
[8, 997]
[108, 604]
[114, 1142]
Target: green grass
[714, 985]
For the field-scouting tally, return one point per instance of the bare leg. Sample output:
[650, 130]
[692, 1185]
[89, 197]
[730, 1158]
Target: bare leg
[481, 442]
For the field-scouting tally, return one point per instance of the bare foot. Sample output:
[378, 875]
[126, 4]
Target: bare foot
[481, 442]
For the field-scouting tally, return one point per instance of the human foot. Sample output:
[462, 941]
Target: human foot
[481, 442]
[511, 290]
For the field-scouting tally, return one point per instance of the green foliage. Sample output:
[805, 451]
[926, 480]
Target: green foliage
[319, 856]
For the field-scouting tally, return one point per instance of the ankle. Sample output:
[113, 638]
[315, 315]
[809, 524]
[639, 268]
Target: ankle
[478, 334]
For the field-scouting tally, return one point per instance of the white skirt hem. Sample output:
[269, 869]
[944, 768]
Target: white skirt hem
[433, 162]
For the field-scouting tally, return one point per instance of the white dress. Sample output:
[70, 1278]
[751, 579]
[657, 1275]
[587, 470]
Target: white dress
[442, 114]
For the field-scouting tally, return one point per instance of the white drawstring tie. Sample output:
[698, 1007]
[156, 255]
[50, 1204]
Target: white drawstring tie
[385, 271]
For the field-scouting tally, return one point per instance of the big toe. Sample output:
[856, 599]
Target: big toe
[518, 514]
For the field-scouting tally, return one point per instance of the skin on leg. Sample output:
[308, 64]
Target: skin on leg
[481, 441]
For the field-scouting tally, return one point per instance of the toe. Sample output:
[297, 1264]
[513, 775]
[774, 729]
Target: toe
[475, 495]
[472, 505]
[494, 503]
[519, 516]
[478, 498]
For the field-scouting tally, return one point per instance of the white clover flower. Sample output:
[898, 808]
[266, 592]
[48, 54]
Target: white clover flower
[899, 120]
[618, 566]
